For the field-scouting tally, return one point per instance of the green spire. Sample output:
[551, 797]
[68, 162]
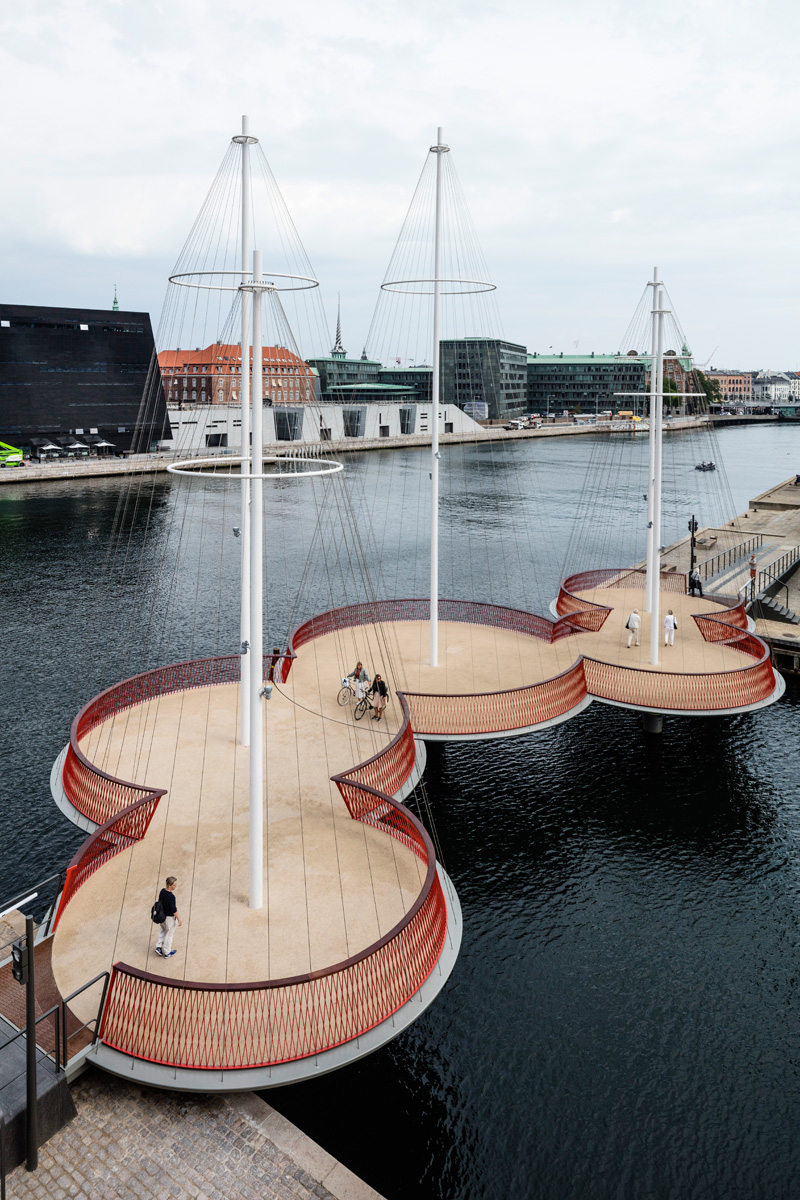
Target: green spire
[115, 305]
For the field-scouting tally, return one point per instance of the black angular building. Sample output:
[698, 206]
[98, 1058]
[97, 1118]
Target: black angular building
[80, 371]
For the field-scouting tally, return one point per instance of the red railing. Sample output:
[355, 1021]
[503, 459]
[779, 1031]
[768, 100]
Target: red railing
[497, 712]
[383, 774]
[216, 1026]
[99, 796]
[691, 692]
[622, 577]
[120, 833]
[469, 612]
[234, 1026]
[231, 1026]
[719, 625]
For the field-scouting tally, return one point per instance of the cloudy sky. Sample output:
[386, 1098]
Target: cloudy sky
[593, 139]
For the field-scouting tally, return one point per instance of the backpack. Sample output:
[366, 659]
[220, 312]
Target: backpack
[157, 914]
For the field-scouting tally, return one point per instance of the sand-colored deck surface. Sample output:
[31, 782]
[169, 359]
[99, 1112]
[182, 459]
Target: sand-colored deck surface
[332, 886]
[476, 658]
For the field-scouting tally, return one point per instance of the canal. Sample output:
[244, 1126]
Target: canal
[623, 1018]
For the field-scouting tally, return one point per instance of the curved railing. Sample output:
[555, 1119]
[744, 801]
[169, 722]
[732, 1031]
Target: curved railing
[119, 833]
[469, 612]
[695, 692]
[484, 713]
[99, 796]
[234, 1026]
[364, 787]
[721, 625]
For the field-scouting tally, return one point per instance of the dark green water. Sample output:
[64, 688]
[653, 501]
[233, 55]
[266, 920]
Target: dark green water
[623, 1019]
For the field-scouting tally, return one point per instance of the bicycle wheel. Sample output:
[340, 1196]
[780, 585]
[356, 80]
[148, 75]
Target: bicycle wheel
[344, 696]
[360, 709]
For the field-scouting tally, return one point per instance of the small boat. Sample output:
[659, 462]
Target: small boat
[706, 466]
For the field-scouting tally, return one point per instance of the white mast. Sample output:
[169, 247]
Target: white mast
[651, 474]
[439, 149]
[244, 396]
[256, 636]
[656, 434]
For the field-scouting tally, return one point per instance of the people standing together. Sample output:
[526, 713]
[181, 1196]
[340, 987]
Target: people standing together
[378, 694]
[634, 624]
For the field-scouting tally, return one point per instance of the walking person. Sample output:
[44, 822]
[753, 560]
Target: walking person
[359, 677]
[695, 582]
[166, 898]
[633, 625]
[670, 625]
[380, 697]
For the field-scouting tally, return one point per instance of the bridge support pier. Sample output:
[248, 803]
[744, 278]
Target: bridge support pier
[653, 722]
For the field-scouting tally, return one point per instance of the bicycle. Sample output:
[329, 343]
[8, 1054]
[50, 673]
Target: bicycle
[347, 692]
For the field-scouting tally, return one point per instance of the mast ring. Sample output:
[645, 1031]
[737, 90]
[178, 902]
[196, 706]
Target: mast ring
[194, 466]
[465, 287]
[194, 279]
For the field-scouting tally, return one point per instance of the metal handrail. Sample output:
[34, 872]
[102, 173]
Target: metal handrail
[96, 1019]
[741, 550]
[775, 569]
[7, 905]
[56, 1008]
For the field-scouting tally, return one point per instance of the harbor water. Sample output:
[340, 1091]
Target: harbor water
[623, 1020]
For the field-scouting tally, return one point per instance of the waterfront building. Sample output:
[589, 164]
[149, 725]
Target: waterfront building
[587, 382]
[416, 378]
[195, 427]
[212, 375]
[79, 371]
[735, 387]
[477, 370]
[771, 389]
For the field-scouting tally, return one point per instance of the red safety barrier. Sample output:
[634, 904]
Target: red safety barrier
[235, 1026]
[663, 690]
[383, 774]
[215, 1026]
[497, 712]
[118, 834]
[99, 796]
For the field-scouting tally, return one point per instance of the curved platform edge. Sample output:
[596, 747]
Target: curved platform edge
[780, 688]
[62, 800]
[506, 733]
[255, 1079]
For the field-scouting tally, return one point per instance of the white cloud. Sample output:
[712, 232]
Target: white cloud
[593, 138]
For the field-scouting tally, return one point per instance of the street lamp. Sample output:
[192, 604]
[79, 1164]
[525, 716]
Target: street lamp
[692, 543]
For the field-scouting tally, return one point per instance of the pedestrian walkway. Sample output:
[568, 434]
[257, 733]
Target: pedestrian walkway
[140, 1143]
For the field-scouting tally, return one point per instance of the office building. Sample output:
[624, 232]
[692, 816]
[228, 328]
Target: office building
[80, 372]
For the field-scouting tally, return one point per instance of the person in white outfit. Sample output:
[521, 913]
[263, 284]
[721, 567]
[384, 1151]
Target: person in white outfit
[633, 625]
[670, 625]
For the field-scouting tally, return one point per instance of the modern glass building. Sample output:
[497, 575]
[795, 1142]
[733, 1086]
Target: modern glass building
[588, 383]
[486, 370]
[78, 371]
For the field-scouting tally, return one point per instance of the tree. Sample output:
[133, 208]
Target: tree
[710, 387]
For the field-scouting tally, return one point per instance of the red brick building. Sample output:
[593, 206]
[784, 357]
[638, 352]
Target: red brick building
[211, 376]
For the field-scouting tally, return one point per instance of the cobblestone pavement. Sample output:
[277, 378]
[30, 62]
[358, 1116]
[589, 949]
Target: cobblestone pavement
[129, 1141]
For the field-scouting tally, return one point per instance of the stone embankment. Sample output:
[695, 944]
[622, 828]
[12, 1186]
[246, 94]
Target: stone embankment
[135, 1142]
[141, 464]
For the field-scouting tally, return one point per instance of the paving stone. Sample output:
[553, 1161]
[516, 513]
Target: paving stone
[142, 1144]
